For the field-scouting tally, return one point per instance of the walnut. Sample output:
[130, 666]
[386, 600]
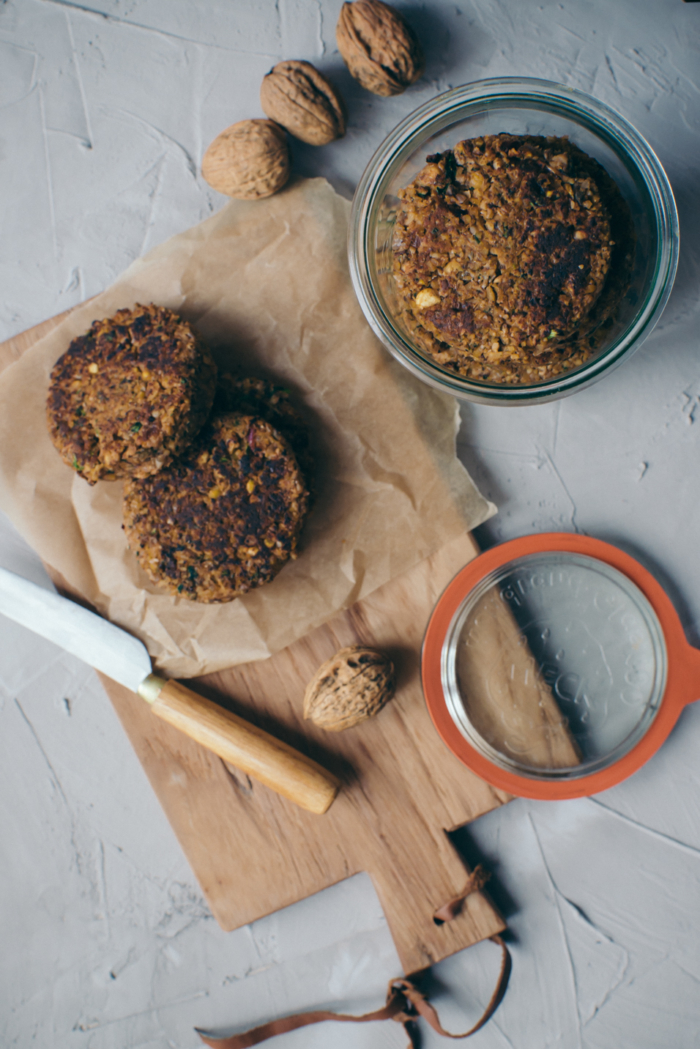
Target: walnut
[299, 98]
[248, 160]
[379, 48]
[352, 686]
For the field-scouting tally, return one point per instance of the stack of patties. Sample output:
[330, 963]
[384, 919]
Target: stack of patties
[214, 494]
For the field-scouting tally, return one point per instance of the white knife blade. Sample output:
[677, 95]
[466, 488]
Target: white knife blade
[84, 634]
[125, 659]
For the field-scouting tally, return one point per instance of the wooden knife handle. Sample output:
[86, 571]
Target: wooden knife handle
[247, 747]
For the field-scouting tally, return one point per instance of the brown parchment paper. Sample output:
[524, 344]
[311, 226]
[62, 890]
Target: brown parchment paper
[267, 285]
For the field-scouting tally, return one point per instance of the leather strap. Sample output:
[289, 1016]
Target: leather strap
[475, 883]
[404, 1004]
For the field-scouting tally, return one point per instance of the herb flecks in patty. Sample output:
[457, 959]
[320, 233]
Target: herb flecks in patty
[505, 256]
[225, 517]
[130, 394]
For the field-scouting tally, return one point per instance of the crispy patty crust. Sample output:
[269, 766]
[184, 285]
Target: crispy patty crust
[502, 248]
[130, 394]
[225, 517]
[267, 400]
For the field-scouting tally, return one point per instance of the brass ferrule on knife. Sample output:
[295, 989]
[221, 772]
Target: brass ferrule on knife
[150, 688]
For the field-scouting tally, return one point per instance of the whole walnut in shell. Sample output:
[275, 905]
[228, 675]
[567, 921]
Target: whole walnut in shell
[349, 688]
[300, 98]
[249, 160]
[379, 48]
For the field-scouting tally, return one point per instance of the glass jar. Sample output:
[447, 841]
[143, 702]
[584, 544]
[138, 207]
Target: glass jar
[555, 665]
[519, 106]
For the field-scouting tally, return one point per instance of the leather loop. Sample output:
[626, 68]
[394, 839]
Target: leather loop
[404, 1004]
[428, 1012]
[475, 883]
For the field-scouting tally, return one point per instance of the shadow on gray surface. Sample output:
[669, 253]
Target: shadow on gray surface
[648, 561]
[472, 856]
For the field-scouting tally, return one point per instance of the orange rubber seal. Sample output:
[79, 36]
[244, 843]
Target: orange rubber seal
[682, 684]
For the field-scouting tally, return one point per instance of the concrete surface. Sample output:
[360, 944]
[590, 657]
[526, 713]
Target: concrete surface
[106, 108]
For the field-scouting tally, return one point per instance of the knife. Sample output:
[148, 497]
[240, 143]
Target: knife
[125, 659]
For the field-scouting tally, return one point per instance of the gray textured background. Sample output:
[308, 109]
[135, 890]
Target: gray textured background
[105, 111]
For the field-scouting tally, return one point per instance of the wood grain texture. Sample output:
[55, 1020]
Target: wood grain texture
[508, 699]
[254, 852]
[251, 750]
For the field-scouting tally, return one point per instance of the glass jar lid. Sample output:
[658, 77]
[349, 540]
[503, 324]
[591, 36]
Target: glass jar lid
[554, 665]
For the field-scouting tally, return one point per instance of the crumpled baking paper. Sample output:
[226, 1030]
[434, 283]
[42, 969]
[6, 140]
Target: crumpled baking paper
[266, 283]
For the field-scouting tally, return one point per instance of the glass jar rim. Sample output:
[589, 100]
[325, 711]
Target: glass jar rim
[438, 113]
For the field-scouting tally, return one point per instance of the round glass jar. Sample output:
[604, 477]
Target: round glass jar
[554, 666]
[519, 106]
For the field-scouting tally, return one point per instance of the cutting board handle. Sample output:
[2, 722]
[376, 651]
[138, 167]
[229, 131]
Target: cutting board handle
[247, 747]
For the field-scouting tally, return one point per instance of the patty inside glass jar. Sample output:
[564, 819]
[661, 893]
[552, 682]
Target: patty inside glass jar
[511, 253]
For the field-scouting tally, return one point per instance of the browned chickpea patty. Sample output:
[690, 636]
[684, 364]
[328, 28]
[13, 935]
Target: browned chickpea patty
[130, 394]
[502, 248]
[266, 400]
[225, 517]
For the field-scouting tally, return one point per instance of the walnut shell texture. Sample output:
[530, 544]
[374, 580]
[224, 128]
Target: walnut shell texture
[300, 98]
[379, 48]
[249, 160]
[349, 688]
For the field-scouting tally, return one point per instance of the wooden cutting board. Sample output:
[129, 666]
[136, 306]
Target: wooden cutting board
[253, 852]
